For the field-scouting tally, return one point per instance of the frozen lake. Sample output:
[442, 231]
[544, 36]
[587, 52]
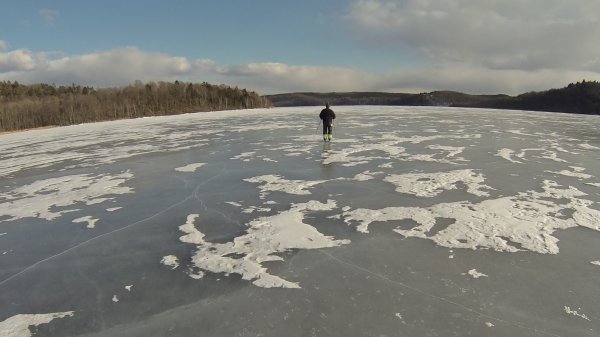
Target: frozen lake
[412, 222]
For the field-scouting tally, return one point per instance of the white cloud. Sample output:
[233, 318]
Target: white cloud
[17, 60]
[125, 65]
[49, 15]
[3, 45]
[495, 34]
[271, 77]
[114, 67]
[479, 80]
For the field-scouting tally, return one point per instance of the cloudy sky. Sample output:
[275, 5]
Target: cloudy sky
[275, 46]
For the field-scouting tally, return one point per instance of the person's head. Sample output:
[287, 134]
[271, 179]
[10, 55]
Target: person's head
[327, 105]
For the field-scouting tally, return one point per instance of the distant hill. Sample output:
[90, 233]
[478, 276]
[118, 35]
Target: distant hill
[582, 97]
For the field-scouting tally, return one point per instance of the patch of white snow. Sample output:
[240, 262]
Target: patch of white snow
[18, 325]
[265, 238]
[171, 261]
[91, 222]
[190, 167]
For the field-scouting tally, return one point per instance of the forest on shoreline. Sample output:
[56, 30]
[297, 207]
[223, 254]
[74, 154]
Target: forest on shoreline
[42, 105]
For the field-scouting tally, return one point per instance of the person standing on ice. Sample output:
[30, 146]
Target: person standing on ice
[327, 116]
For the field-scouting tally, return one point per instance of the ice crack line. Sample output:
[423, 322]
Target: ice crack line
[439, 298]
[94, 239]
[191, 196]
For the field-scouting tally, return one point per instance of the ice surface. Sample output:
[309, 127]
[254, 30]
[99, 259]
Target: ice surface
[412, 222]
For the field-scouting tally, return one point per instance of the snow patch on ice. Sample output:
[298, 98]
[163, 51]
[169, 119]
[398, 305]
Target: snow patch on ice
[91, 222]
[553, 156]
[18, 325]
[389, 146]
[190, 167]
[265, 238]
[588, 146]
[432, 184]
[112, 209]
[363, 176]
[115, 299]
[576, 313]
[170, 261]
[252, 209]
[128, 288]
[509, 224]
[508, 155]
[275, 183]
[475, 274]
[42, 198]
[365, 217]
[196, 275]
[520, 132]
[597, 263]
[85, 145]
[245, 156]
[452, 151]
[576, 173]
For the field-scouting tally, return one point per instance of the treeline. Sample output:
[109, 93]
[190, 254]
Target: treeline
[581, 97]
[38, 105]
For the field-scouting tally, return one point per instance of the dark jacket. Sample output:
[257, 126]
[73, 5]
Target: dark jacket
[327, 115]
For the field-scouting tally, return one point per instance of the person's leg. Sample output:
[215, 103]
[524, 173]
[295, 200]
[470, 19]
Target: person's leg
[325, 131]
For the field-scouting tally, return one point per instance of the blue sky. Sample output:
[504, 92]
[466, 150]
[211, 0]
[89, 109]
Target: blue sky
[273, 46]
